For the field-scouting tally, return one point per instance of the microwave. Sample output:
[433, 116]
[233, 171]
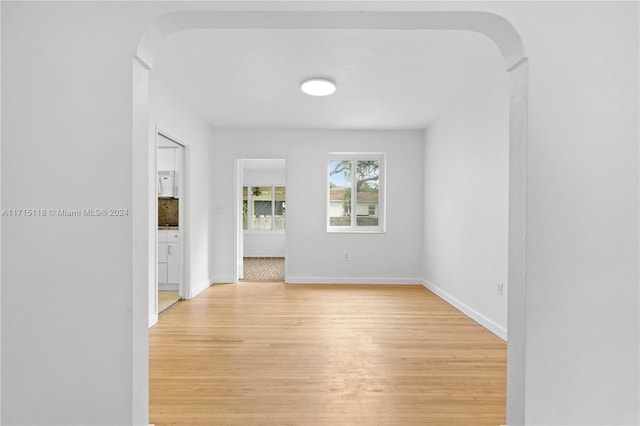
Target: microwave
[167, 184]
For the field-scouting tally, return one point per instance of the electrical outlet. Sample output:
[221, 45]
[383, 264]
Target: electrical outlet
[500, 288]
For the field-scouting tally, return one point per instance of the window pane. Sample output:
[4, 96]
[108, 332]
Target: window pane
[368, 206]
[245, 207]
[280, 208]
[261, 199]
[340, 193]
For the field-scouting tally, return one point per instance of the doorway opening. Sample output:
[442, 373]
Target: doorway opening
[171, 167]
[263, 268]
[261, 234]
[500, 31]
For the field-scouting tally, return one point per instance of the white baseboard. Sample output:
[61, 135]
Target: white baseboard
[196, 290]
[153, 319]
[222, 279]
[351, 280]
[467, 310]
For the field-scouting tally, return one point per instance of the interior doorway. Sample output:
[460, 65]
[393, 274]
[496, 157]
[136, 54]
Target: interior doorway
[265, 268]
[262, 211]
[171, 207]
[498, 29]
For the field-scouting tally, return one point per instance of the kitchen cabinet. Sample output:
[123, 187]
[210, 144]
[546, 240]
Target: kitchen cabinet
[169, 259]
[173, 263]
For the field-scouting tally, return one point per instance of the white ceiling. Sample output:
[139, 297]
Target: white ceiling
[387, 79]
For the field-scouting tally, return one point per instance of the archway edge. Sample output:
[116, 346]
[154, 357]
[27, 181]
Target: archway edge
[497, 28]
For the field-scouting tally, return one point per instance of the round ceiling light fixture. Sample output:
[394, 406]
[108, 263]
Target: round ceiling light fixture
[318, 87]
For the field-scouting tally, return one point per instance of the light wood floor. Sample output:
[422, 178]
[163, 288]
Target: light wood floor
[166, 298]
[276, 354]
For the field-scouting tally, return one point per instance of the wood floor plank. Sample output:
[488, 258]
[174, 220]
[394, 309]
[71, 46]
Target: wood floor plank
[275, 354]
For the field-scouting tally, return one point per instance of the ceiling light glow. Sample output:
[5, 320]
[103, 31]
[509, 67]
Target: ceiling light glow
[318, 87]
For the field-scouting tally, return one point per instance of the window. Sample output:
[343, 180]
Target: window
[263, 208]
[356, 200]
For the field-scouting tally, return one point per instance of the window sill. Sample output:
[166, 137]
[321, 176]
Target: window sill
[356, 231]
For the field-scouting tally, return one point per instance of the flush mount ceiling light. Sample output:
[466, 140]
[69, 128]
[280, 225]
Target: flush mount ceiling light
[318, 87]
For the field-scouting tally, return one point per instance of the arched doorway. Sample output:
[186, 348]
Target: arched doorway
[493, 26]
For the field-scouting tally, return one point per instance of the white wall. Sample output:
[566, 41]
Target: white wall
[313, 255]
[466, 204]
[256, 177]
[174, 118]
[67, 324]
[582, 228]
[264, 244]
[67, 71]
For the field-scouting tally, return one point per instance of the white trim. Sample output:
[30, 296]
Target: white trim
[184, 208]
[1, 245]
[153, 235]
[238, 184]
[354, 280]
[517, 257]
[143, 240]
[153, 319]
[238, 241]
[467, 310]
[222, 279]
[196, 290]
[185, 226]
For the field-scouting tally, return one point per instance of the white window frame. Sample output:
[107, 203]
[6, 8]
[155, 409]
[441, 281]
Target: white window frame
[354, 157]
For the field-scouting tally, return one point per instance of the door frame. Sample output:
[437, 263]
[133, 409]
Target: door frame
[184, 289]
[239, 232]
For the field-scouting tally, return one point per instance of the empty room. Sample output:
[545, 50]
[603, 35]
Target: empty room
[417, 128]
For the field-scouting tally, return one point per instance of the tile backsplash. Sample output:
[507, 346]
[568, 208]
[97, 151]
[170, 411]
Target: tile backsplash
[168, 211]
